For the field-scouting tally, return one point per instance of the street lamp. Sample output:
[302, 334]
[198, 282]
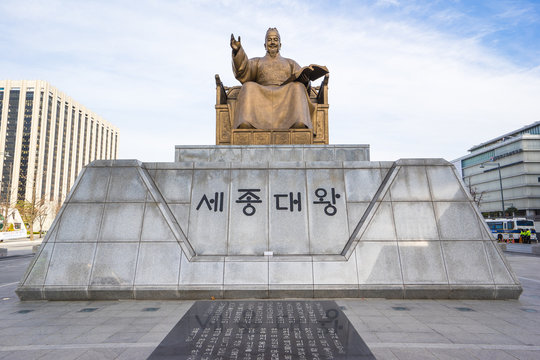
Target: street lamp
[500, 179]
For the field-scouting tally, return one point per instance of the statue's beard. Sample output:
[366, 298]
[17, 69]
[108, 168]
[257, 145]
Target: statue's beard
[272, 51]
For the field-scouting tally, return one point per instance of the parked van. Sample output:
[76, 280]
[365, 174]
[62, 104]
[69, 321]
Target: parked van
[509, 230]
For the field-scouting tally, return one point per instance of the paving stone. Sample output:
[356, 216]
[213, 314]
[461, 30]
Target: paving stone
[139, 353]
[23, 355]
[125, 337]
[412, 354]
[412, 337]
[451, 354]
[479, 329]
[63, 354]
[153, 337]
[488, 354]
[383, 354]
[524, 354]
[102, 354]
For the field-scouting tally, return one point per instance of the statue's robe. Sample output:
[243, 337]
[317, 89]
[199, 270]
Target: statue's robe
[262, 102]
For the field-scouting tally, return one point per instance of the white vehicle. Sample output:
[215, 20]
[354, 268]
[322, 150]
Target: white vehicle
[509, 230]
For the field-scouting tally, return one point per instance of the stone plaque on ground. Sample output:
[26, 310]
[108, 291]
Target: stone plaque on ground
[260, 330]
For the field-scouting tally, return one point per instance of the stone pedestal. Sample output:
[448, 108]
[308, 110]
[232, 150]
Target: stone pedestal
[269, 222]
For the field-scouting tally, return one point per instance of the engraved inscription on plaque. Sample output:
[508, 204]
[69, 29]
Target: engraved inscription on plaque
[260, 330]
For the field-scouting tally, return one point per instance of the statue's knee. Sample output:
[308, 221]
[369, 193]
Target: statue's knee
[299, 125]
[245, 125]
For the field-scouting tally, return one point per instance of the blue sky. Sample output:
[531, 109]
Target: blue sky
[410, 78]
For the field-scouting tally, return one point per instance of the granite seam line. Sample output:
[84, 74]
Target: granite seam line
[390, 176]
[98, 234]
[307, 212]
[16, 282]
[54, 224]
[79, 346]
[166, 212]
[437, 225]
[528, 279]
[376, 345]
[139, 242]
[382, 345]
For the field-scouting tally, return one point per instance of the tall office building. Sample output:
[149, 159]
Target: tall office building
[45, 139]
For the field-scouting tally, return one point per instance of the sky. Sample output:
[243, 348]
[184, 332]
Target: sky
[413, 79]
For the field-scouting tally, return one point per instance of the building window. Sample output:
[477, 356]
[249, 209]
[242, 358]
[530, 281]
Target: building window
[1, 104]
[9, 149]
[78, 144]
[63, 157]
[46, 150]
[111, 146]
[55, 149]
[534, 130]
[84, 144]
[96, 136]
[70, 158]
[38, 137]
[90, 144]
[101, 144]
[106, 143]
[25, 148]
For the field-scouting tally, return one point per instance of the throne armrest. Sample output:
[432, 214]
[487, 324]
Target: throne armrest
[221, 94]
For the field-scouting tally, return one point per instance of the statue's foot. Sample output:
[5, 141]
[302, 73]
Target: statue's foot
[299, 125]
[245, 126]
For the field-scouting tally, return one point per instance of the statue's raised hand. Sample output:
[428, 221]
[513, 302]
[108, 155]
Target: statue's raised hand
[235, 45]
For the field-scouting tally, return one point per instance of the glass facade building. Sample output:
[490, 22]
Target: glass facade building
[517, 156]
[46, 138]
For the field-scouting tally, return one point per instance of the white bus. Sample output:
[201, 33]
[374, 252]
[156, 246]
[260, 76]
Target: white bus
[509, 230]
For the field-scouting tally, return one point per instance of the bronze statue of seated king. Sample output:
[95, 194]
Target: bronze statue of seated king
[276, 103]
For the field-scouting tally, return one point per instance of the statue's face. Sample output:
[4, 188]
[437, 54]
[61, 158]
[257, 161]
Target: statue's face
[272, 44]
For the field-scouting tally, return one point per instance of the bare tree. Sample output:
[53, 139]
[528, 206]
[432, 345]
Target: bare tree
[476, 195]
[56, 208]
[41, 214]
[30, 212]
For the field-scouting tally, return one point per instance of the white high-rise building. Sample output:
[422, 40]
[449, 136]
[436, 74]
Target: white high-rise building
[45, 139]
[504, 172]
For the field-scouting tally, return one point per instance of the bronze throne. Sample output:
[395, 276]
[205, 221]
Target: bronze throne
[225, 106]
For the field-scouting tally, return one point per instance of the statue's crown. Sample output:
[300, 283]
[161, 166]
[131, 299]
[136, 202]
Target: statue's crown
[274, 30]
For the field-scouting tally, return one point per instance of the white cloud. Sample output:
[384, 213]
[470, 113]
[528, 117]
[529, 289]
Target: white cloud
[386, 3]
[398, 84]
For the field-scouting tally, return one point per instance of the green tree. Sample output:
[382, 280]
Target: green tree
[33, 209]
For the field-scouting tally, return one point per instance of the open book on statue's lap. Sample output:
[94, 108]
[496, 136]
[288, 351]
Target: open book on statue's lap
[312, 72]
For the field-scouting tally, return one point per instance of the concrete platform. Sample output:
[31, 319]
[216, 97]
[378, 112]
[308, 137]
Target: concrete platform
[392, 329]
[269, 229]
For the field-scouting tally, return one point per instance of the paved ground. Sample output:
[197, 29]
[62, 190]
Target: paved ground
[14, 247]
[520, 248]
[393, 329]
